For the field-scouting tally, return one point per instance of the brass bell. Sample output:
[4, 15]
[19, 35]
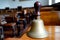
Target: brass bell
[37, 26]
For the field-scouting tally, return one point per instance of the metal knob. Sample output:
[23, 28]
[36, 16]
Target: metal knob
[37, 6]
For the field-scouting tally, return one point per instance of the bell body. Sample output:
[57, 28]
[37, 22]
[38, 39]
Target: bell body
[37, 29]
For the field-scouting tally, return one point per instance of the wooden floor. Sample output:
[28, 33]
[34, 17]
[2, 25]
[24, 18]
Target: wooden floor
[53, 31]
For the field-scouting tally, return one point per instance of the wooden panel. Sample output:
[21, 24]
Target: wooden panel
[50, 18]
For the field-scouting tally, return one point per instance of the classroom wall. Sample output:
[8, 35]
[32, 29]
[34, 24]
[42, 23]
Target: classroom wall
[56, 1]
[14, 4]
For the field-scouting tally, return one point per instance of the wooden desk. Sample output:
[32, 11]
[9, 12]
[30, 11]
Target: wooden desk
[54, 34]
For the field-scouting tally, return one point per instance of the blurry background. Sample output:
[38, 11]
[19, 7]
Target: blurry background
[15, 3]
[24, 3]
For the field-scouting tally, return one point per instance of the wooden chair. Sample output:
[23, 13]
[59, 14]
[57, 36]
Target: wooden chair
[1, 33]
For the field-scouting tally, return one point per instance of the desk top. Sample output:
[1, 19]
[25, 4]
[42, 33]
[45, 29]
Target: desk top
[54, 34]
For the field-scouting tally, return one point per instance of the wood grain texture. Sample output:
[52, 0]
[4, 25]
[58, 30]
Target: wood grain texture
[51, 17]
[53, 31]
